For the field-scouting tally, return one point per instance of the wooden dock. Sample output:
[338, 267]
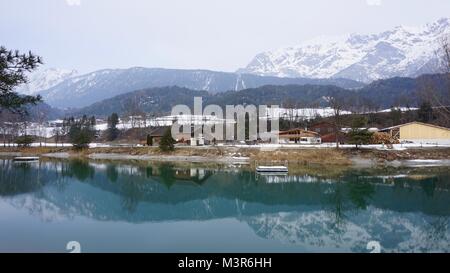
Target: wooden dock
[26, 159]
[271, 169]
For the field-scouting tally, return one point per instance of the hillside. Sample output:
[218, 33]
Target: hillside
[156, 100]
[86, 89]
[380, 94]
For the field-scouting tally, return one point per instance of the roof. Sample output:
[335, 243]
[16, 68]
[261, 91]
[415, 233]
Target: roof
[343, 137]
[415, 122]
[298, 132]
[159, 131]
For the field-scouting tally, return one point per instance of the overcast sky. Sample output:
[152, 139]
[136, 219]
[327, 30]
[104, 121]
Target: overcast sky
[210, 34]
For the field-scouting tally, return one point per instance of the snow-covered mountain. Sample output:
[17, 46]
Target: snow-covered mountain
[84, 90]
[43, 79]
[402, 51]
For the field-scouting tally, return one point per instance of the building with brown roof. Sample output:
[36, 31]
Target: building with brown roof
[299, 136]
[323, 128]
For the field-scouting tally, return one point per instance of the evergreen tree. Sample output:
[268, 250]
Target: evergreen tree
[92, 122]
[113, 132]
[359, 122]
[425, 112]
[24, 141]
[81, 132]
[13, 67]
[359, 135]
[167, 142]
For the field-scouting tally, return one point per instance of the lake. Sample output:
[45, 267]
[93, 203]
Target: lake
[153, 207]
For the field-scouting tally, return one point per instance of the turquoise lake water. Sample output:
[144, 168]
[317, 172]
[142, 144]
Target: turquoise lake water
[150, 207]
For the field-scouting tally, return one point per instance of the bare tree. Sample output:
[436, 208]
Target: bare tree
[57, 134]
[125, 119]
[445, 64]
[337, 103]
[437, 92]
[41, 119]
[135, 112]
[289, 105]
[8, 121]
[445, 54]
[65, 128]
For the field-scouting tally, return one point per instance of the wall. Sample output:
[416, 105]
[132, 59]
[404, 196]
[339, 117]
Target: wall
[423, 132]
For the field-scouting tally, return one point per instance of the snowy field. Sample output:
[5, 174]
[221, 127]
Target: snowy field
[48, 131]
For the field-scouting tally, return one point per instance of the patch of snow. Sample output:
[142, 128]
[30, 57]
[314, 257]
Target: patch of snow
[44, 79]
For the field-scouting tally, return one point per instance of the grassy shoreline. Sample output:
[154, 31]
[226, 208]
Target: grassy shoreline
[322, 156]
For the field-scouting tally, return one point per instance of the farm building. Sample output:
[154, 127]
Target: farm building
[187, 138]
[331, 138]
[299, 136]
[157, 133]
[323, 128]
[419, 132]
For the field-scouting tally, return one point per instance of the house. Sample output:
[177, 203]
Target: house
[198, 140]
[331, 138]
[419, 132]
[157, 133]
[195, 138]
[299, 136]
[323, 128]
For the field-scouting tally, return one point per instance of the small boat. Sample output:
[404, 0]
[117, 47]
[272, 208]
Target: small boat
[271, 169]
[26, 158]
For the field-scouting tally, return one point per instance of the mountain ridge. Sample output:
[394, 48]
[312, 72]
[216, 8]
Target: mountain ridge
[83, 90]
[381, 94]
[402, 51]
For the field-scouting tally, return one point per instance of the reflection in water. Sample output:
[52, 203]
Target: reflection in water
[112, 173]
[406, 211]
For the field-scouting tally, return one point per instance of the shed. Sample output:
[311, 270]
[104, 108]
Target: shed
[419, 132]
[323, 128]
[157, 133]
